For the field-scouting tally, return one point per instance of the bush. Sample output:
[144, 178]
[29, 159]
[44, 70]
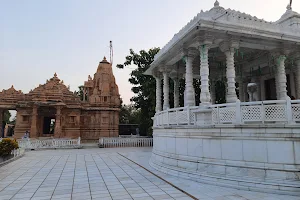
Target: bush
[7, 145]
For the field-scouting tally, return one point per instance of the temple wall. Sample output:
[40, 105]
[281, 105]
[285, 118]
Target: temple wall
[23, 122]
[96, 124]
[251, 158]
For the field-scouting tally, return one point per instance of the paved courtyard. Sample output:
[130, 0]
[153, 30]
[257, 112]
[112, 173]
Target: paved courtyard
[120, 173]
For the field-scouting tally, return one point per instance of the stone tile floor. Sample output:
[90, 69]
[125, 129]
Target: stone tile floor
[81, 174]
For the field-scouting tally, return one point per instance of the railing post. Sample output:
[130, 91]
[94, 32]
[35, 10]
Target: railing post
[238, 116]
[263, 113]
[168, 118]
[177, 121]
[78, 141]
[188, 114]
[289, 112]
[218, 115]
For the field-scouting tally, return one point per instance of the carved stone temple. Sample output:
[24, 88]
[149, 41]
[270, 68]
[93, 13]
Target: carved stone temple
[52, 110]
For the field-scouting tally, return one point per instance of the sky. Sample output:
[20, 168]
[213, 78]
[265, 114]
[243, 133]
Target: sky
[70, 37]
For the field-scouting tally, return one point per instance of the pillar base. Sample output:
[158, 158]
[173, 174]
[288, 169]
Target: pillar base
[203, 116]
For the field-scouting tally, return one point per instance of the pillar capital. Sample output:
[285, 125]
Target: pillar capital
[157, 75]
[190, 52]
[165, 69]
[204, 39]
[229, 45]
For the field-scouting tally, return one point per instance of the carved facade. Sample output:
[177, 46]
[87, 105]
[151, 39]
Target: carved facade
[52, 110]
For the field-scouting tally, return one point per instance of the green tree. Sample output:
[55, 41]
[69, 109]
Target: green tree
[79, 92]
[129, 114]
[143, 86]
[6, 117]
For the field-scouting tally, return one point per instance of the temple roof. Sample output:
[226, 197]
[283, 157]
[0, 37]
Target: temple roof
[221, 19]
[53, 90]
[11, 91]
[104, 65]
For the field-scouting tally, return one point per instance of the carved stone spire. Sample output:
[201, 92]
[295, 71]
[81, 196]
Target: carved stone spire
[216, 4]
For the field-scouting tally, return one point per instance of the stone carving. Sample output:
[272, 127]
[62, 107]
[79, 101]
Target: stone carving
[53, 105]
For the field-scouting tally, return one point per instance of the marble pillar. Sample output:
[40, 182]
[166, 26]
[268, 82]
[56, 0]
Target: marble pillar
[166, 91]
[205, 97]
[297, 85]
[57, 129]
[281, 78]
[33, 128]
[189, 87]
[230, 74]
[176, 92]
[158, 94]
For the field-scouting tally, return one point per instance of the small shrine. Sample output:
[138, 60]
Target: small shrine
[52, 110]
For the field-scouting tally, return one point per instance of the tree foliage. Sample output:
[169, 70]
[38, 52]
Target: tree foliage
[6, 117]
[79, 93]
[129, 114]
[143, 86]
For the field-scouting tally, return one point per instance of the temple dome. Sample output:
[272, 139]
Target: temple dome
[290, 18]
[54, 90]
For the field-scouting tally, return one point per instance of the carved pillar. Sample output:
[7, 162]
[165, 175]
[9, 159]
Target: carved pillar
[230, 74]
[281, 78]
[158, 93]
[57, 129]
[166, 91]
[33, 128]
[205, 97]
[176, 92]
[298, 78]
[189, 88]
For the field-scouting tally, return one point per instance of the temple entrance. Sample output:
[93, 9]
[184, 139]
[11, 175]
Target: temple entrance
[48, 125]
[46, 121]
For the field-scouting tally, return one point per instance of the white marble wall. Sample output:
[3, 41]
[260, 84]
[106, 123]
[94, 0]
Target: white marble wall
[233, 153]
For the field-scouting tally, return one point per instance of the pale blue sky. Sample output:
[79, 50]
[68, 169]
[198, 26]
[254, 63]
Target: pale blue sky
[70, 37]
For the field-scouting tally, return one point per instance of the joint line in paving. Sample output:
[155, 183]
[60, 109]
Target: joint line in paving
[160, 178]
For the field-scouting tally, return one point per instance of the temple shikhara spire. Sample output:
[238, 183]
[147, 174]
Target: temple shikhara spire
[52, 110]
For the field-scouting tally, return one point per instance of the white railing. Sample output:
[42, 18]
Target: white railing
[175, 116]
[16, 152]
[258, 112]
[49, 143]
[107, 142]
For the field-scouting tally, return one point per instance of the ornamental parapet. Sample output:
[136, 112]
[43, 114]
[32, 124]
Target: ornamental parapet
[279, 112]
